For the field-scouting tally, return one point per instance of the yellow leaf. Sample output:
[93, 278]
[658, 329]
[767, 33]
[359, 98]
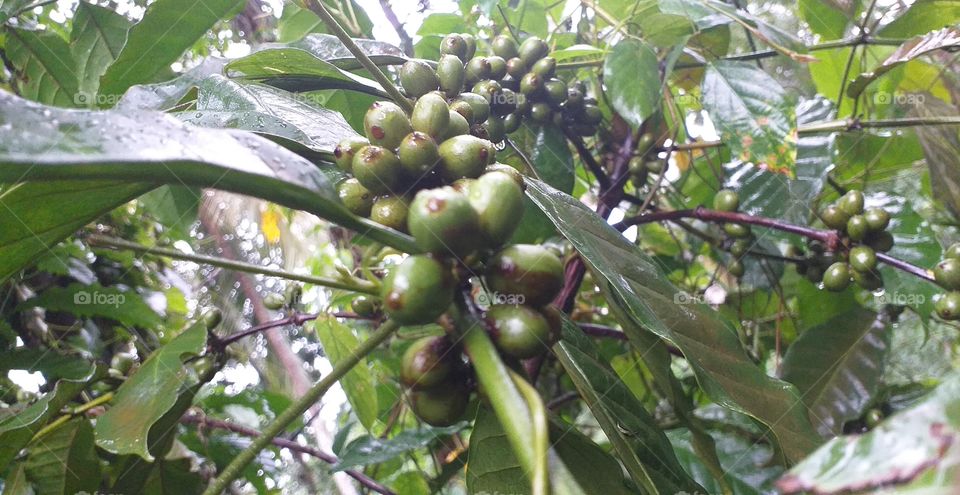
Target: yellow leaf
[270, 225]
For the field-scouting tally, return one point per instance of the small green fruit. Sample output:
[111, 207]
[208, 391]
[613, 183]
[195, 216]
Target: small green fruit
[471, 45]
[418, 154]
[450, 74]
[592, 114]
[504, 46]
[877, 219]
[814, 273]
[377, 168]
[953, 251]
[417, 78]
[488, 89]
[495, 129]
[529, 270]
[726, 200]
[857, 228]
[505, 103]
[365, 307]
[947, 273]
[736, 268]
[479, 105]
[431, 115]
[418, 290]
[346, 149]
[516, 68]
[546, 67]
[834, 217]
[541, 113]
[498, 201]
[123, 362]
[464, 109]
[851, 202]
[442, 221]
[863, 259]
[868, 280]
[390, 211]
[531, 84]
[458, 126]
[478, 69]
[575, 102]
[464, 156]
[880, 241]
[386, 124]
[533, 49]
[511, 123]
[427, 362]
[518, 331]
[498, 67]
[454, 44]
[355, 197]
[442, 405]
[948, 306]
[556, 91]
[736, 230]
[740, 247]
[837, 277]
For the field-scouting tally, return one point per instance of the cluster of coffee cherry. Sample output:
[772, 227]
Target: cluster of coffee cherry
[739, 236]
[947, 275]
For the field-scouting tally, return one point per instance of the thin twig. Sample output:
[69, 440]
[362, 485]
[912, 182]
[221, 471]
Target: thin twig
[587, 158]
[406, 42]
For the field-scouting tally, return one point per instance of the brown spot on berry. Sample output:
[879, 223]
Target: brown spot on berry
[394, 301]
[436, 204]
[377, 132]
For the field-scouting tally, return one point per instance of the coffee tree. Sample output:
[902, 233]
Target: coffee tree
[606, 247]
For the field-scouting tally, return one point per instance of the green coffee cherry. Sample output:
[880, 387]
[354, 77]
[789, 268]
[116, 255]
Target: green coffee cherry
[868, 280]
[575, 102]
[471, 45]
[478, 69]
[505, 103]
[123, 362]
[541, 113]
[877, 219]
[504, 46]
[442, 221]
[427, 362]
[518, 331]
[212, 318]
[487, 89]
[857, 228]
[814, 273]
[431, 115]
[390, 211]
[498, 201]
[479, 105]
[494, 129]
[386, 124]
[417, 78]
[953, 251]
[726, 200]
[872, 418]
[442, 405]
[880, 241]
[834, 217]
[346, 149]
[418, 290]
[851, 202]
[454, 44]
[837, 277]
[458, 126]
[556, 92]
[450, 74]
[526, 269]
[418, 154]
[463, 156]
[531, 84]
[948, 306]
[736, 230]
[863, 259]
[546, 67]
[516, 68]
[736, 268]
[592, 114]
[947, 273]
[498, 67]
[740, 247]
[355, 197]
[365, 307]
[463, 108]
[511, 123]
[377, 168]
[533, 49]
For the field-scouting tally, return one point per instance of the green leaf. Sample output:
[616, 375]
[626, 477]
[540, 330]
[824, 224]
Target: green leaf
[48, 144]
[16, 482]
[640, 444]
[17, 428]
[745, 462]
[338, 341]
[753, 113]
[635, 285]
[368, 450]
[95, 300]
[632, 75]
[297, 22]
[96, 39]
[44, 66]
[828, 18]
[54, 366]
[10, 7]
[168, 28]
[173, 206]
[64, 461]
[145, 397]
[528, 16]
[941, 147]
[921, 17]
[298, 70]
[168, 95]
[330, 48]
[837, 367]
[919, 441]
[911, 49]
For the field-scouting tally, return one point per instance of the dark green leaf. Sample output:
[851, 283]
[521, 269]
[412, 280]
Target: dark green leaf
[94, 300]
[328, 47]
[96, 39]
[167, 29]
[920, 441]
[828, 18]
[173, 206]
[548, 152]
[837, 367]
[298, 70]
[914, 48]
[922, 17]
[53, 366]
[368, 450]
[167, 95]
[941, 146]
[148, 394]
[11, 7]
[64, 461]
[44, 66]
[16, 482]
[642, 292]
[753, 113]
[338, 341]
[632, 76]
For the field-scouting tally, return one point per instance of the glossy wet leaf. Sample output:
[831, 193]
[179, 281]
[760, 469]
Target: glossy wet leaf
[65, 461]
[96, 38]
[95, 300]
[52, 365]
[338, 341]
[294, 69]
[168, 28]
[944, 39]
[828, 18]
[644, 295]
[941, 147]
[44, 67]
[17, 483]
[744, 461]
[640, 444]
[922, 17]
[753, 114]
[11, 7]
[631, 73]
[837, 367]
[368, 450]
[145, 397]
[546, 148]
[328, 47]
[170, 94]
[919, 441]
